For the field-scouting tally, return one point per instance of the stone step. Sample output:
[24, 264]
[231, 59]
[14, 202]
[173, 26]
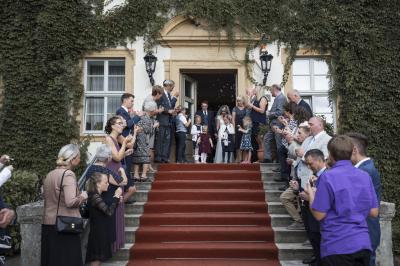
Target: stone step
[283, 263]
[273, 195]
[140, 195]
[276, 208]
[122, 254]
[268, 167]
[143, 186]
[132, 220]
[268, 185]
[136, 208]
[283, 235]
[293, 251]
[130, 233]
[280, 220]
[270, 176]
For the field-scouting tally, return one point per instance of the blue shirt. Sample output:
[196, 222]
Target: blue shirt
[346, 195]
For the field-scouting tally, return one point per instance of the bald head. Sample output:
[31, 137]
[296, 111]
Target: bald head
[316, 124]
[294, 96]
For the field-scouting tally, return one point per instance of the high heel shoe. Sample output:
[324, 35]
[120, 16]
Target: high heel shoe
[144, 179]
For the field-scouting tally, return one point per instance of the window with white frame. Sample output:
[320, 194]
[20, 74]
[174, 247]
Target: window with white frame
[104, 82]
[311, 79]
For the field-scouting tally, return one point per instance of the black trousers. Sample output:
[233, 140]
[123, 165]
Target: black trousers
[313, 231]
[285, 168]
[359, 258]
[162, 145]
[180, 146]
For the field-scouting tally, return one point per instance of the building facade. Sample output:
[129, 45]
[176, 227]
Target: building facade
[203, 66]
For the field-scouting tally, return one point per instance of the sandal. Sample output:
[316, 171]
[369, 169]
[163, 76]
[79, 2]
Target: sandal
[144, 179]
[136, 178]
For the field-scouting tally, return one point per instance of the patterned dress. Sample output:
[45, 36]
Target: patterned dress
[141, 151]
[245, 145]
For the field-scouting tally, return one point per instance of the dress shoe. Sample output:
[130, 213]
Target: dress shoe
[296, 226]
[266, 161]
[283, 188]
[276, 170]
[309, 260]
[280, 179]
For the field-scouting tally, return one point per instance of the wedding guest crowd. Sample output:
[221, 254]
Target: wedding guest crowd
[334, 201]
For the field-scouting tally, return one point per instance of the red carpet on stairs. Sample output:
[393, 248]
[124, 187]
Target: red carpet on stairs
[205, 214]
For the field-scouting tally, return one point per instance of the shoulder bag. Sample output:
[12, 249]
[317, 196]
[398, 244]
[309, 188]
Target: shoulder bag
[67, 224]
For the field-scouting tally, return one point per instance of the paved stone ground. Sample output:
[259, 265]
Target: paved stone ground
[13, 261]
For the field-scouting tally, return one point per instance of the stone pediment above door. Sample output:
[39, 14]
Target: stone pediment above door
[185, 31]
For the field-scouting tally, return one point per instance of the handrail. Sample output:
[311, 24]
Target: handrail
[82, 179]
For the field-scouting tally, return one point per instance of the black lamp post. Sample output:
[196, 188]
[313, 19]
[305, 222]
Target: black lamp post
[150, 61]
[265, 59]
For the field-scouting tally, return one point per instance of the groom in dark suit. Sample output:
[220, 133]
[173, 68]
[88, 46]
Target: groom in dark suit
[127, 104]
[123, 110]
[208, 118]
[164, 135]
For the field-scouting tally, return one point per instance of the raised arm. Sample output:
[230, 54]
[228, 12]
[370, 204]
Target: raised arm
[117, 155]
[97, 202]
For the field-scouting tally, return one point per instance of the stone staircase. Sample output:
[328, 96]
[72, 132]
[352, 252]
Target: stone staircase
[289, 242]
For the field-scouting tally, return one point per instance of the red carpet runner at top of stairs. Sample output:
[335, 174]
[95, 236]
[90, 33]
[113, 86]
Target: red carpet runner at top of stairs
[205, 214]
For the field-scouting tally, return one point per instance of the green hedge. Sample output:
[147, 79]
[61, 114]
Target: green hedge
[22, 188]
[42, 42]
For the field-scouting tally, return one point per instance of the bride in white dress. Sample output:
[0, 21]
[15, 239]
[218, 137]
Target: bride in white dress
[220, 125]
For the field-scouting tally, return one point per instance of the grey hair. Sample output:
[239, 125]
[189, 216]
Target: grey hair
[66, 154]
[295, 92]
[149, 106]
[103, 153]
[168, 82]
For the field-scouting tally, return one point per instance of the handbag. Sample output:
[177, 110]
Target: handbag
[67, 224]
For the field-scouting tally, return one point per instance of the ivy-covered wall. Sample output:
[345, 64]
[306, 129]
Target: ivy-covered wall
[42, 41]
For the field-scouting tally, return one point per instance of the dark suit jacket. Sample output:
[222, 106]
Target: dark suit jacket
[164, 118]
[130, 122]
[211, 121]
[373, 223]
[306, 106]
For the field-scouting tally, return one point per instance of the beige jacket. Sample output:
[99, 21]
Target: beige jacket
[70, 196]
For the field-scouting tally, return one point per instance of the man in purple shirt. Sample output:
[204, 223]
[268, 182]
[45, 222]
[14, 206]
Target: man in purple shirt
[344, 199]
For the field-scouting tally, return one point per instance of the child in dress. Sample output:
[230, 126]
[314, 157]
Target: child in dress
[99, 242]
[196, 131]
[205, 144]
[245, 144]
[227, 140]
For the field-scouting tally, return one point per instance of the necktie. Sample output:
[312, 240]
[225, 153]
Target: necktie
[205, 118]
[169, 97]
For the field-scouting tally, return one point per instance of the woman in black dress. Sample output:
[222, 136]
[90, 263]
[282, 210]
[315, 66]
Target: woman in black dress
[99, 243]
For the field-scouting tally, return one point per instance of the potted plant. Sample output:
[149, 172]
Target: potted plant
[263, 128]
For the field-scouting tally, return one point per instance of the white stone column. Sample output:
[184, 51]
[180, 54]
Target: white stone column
[384, 253]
